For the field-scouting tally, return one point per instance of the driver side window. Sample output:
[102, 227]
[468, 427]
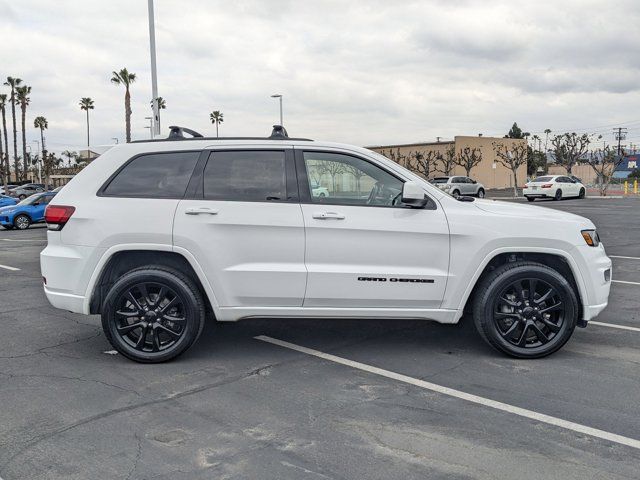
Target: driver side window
[345, 180]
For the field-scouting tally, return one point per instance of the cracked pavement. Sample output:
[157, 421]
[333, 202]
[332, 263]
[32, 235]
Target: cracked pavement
[236, 408]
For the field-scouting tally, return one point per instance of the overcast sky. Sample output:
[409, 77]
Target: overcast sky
[366, 72]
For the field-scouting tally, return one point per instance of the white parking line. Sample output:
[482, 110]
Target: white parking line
[487, 402]
[614, 325]
[13, 269]
[627, 258]
[23, 240]
[624, 281]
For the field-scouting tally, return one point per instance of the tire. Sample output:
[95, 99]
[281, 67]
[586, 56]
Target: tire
[582, 193]
[22, 222]
[481, 193]
[150, 340]
[455, 194]
[531, 199]
[321, 195]
[558, 195]
[22, 196]
[520, 332]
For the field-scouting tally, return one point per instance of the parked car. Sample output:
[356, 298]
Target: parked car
[28, 211]
[458, 186]
[6, 201]
[554, 186]
[9, 187]
[153, 236]
[319, 191]
[26, 190]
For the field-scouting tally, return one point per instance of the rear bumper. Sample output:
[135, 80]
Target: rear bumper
[65, 301]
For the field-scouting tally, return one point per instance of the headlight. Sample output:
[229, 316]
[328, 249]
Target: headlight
[591, 237]
[447, 186]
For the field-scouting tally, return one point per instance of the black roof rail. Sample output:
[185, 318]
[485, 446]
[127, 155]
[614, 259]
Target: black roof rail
[177, 133]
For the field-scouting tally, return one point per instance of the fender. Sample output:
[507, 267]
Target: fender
[111, 251]
[577, 274]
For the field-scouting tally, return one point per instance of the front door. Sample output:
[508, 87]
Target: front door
[364, 249]
[244, 226]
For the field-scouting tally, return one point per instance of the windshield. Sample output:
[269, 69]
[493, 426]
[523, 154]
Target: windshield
[30, 200]
[542, 179]
[440, 180]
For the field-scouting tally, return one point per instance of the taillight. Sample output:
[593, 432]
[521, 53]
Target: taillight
[57, 215]
[547, 185]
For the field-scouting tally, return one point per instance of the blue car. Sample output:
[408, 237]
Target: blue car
[28, 211]
[5, 201]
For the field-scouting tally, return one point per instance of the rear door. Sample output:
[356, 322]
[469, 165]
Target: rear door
[364, 249]
[243, 224]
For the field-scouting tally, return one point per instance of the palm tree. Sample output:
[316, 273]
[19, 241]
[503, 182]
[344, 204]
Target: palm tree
[86, 103]
[3, 104]
[70, 155]
[22, 96]
[216, 118]
[123, 77]
[42, 124]
[162, 103]
[14, 83]
[4, 167]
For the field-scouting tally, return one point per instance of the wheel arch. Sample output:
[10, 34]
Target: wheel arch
[556, 259]
[115, 262]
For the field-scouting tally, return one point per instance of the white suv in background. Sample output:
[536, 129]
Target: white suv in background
[459, 186]
[155, 235]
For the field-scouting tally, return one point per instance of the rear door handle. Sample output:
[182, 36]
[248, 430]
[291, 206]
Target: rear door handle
[200, 211]
[328, 215]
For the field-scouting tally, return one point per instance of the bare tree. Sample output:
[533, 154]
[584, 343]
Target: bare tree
[423, 163]
[356, 173]
[604, 162]
[448, 160]
[569, 148]
[468, 158]
[512, 157]
[333, 169]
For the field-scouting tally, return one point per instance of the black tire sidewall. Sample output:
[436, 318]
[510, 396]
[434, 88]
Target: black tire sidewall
[485, 307]
[558, 195]
[582, 193]
[194, 312]
[481, 193]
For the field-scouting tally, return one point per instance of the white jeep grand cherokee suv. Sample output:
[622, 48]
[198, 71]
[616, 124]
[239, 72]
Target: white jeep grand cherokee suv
[155, 235]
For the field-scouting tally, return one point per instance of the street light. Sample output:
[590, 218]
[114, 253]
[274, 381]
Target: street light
[155, 125]
[40, 162]
[116, 139]
[279, 96]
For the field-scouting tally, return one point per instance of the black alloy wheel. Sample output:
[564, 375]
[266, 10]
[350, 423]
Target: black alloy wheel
[153, 314]
[525, 309]
[558, 195]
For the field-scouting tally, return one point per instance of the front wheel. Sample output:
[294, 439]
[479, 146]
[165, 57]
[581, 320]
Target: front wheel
[21, 222]
[481, 193]
[582, 193]
[525, 309]
[456, 194]
[153, 314]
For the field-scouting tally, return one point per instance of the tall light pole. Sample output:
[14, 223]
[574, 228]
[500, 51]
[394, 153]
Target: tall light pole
[40, 162]
[279, 96]
[155, 127]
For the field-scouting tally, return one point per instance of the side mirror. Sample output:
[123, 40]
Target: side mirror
[413, 195]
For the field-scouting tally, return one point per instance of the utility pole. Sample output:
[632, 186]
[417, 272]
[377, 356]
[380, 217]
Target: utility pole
[155, 128]
[620, 134]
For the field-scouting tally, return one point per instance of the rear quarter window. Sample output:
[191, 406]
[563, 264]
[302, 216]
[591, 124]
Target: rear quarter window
[153, 175]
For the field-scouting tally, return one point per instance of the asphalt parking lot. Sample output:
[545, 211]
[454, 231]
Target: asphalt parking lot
[376, 407]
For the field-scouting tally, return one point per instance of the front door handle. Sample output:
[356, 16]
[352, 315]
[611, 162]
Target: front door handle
[328, 215]
[200, 211]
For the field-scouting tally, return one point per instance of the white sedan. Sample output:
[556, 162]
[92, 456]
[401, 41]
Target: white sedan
[554, 186]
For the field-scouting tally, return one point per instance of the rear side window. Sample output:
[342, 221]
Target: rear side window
[154, 175]
[249, 176]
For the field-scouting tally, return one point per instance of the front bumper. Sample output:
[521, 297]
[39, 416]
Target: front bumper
[593, 265]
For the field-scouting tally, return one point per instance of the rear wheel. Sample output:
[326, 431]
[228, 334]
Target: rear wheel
[21, 222]
[525, 309]
[481, 193]
[530, 199]
[456, 194]
[153, 314]
[582, 193]
[558, 195]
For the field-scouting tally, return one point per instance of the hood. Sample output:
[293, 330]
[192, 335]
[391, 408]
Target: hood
[530, 211]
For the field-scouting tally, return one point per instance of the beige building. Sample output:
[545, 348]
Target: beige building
[489, 171]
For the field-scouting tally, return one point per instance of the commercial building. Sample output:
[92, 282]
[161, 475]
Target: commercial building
[489, 171]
